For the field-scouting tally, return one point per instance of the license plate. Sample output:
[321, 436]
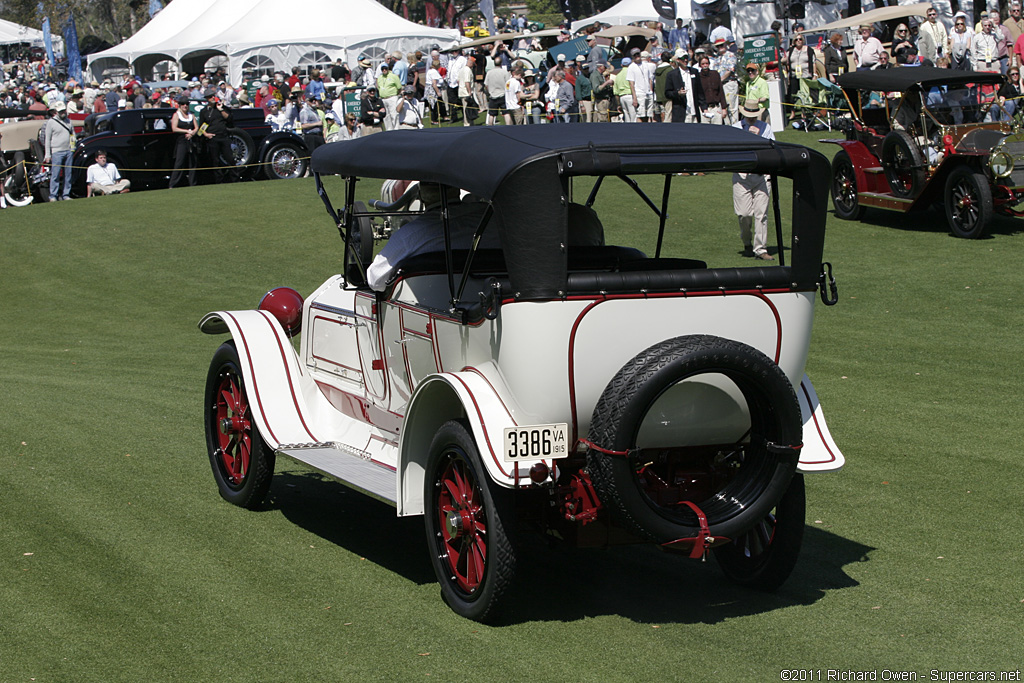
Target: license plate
[536, 442]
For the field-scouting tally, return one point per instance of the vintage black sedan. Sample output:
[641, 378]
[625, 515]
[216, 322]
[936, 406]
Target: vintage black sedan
[141, 143]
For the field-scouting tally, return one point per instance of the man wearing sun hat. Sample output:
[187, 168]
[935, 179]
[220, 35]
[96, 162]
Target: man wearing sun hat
[724, 62]
[757, 88]
[866, 48]
[59, 139]
[750, 191]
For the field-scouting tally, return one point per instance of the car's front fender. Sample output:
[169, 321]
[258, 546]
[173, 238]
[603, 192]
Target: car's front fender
[280, 136]
[285, 403]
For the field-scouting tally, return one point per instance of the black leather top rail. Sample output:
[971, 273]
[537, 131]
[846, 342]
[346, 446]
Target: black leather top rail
[616, 270]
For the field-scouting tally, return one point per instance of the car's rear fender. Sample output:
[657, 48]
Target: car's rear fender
[285, 402]
[476, 396]
[819, 452]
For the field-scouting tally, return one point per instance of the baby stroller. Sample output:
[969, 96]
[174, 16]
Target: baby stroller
[833, 103]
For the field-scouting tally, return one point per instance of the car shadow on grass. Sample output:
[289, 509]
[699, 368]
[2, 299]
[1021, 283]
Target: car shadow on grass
[638, 582]
[354, 521]
[646, 585]
[933, 220]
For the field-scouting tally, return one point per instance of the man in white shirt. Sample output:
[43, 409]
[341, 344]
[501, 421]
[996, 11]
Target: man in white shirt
[641, 88]
[720, 32]
[513, 97]
[937, 34]
[455, 64]
[103, 178]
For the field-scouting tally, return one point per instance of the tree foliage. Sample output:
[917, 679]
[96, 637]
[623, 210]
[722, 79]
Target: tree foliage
[110, 21]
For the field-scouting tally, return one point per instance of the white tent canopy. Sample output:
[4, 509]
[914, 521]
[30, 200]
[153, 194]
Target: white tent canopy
[632, 11]
[12, 33]
[274, 33]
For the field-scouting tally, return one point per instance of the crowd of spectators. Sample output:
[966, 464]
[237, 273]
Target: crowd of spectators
[678, 75]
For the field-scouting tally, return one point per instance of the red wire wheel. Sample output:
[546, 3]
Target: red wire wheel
[764, 557]
[466, 520]
[242, 463]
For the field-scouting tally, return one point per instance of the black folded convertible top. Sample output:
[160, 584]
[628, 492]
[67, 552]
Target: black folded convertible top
[524, 171]
[905, 77]
[479, 158]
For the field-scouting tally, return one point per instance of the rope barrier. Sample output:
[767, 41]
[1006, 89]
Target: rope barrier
[158, 170]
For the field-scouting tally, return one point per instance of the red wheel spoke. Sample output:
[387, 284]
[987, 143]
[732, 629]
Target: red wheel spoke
[477, 562]
[453, 491]
[460, 483]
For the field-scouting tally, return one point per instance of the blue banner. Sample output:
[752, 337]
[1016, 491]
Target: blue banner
[71, 50]
[48, 40]
[487, 9]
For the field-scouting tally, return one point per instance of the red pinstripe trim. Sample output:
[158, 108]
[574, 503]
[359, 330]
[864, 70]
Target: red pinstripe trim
[367, 370]
[757, 293]
[470, 368]
[268, 318]
[572, 368]
[405, 352]
[824, 441]
[483, 425]
[374, 437]
[435, 345]
[361, 408]
[255, 387]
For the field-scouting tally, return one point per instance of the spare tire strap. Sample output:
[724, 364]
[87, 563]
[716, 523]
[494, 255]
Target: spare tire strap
[593, 446]
[702, 543]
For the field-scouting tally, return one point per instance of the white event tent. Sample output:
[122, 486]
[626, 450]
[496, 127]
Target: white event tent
[630, 12]
[267, 35]
[12, 34]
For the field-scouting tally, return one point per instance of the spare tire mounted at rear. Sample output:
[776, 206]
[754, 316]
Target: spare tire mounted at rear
[735, 484]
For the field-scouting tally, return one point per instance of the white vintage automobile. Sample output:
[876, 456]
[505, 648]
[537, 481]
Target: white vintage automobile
[582, 390]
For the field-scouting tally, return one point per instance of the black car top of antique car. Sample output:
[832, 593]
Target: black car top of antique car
[905, 78]
[525, 171]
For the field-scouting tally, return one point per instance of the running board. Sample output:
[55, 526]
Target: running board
[351, 466]
[884, 201]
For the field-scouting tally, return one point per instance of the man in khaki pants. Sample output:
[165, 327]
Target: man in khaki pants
[750, 191]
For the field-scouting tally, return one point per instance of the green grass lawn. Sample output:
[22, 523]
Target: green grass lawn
[119, 561]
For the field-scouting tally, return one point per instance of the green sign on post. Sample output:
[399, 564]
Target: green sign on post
[353, 102]
[760, 49]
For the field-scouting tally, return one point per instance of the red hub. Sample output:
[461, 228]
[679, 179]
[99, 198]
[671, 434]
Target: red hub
[463, 525]
[234, 436]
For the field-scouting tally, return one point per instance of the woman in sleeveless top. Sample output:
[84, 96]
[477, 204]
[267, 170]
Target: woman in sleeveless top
[183, 124]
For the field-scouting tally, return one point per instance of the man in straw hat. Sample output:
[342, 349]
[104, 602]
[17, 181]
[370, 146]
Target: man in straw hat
[750, 190]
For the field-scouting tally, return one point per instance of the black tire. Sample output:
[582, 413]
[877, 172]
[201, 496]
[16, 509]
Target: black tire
[242, 462]
[466, 521]
[844, 188]
[243, 149]
[15, 188]
[903, 163]
[764, 557]
[284, 160]
[735, 485]
[968, 203]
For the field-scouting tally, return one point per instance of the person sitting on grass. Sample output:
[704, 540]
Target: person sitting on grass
[103, 178]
